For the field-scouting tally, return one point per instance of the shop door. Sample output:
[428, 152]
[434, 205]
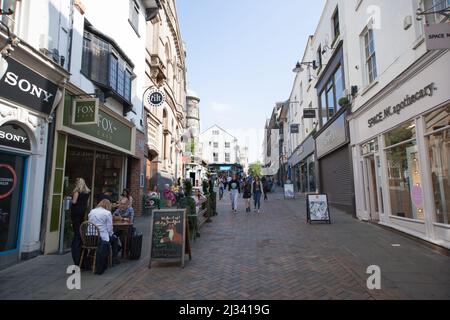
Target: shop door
[11, 187]
[371, 188]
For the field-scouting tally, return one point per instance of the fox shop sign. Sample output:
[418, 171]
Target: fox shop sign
[409, 100]
[26, 87]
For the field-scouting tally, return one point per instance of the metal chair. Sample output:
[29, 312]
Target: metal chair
[90, 238]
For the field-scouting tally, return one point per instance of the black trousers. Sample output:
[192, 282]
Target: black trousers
[77, 219]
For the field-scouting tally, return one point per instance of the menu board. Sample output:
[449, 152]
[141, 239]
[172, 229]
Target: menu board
[168, 235]
[317, 208]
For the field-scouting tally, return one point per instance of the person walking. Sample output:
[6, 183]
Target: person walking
[257, 191]
[266, 188]
[235, 189]
[221, 188]
[80, 198]
[247, 194]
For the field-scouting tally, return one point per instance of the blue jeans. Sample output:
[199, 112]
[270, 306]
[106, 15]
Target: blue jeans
[257, 199]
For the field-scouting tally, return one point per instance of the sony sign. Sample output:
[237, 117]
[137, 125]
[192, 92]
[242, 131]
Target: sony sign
[24, 86]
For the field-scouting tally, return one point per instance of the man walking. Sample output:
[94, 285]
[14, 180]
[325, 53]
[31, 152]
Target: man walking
[235, 189]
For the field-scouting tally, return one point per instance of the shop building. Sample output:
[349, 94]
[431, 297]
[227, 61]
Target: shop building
[401, 147]
[302, 162]
[31, 87]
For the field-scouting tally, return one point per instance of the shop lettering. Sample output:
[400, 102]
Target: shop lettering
[85, 109]
[24, 85]
[12, 137]
[105, 124]
[409, 100]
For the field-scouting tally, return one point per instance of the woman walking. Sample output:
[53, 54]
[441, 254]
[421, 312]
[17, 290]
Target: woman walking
[80, 197]
[257, 191]
[235, 189]
[247, 194]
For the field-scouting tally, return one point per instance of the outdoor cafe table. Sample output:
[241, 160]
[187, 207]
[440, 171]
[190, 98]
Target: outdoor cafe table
[126, 227]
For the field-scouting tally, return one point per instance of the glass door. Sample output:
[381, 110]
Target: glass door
[371, 187]
[11, 185]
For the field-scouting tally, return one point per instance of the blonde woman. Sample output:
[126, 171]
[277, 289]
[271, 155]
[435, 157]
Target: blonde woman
[80, 198]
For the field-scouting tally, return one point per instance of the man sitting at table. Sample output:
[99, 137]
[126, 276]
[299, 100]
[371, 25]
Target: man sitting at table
[124, 211]
[102, 218]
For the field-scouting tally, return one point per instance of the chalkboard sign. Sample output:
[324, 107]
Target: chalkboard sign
[169, 235]
[317, 208]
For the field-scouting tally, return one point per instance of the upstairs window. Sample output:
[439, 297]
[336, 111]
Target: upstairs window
[216, 144]
[134, 16]
[215, 132]
[8, 19]
[370, 56]
[336, 29]
[106, 67]
[227, 157]
[319, 58]
[434, 6]
[227, 145]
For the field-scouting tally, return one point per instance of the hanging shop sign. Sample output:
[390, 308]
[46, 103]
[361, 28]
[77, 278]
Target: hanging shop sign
[12, 135]
[397, 109]
[8, 180]
[156, 98]
[295, 128]
[438, 36]
[309, 113]
[24, 86]
[85, 111]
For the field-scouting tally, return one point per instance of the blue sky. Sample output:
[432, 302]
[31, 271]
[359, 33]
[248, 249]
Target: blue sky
[240, 56]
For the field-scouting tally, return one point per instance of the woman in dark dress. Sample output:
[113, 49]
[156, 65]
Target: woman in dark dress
[80, 198]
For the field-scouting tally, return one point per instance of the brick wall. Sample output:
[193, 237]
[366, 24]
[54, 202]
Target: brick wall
[136, 168]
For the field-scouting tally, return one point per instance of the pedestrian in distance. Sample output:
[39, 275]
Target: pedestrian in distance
[257, 191]
[247, 194]
[79, 204]
[266, 188]
[221, 188]
[235, 189]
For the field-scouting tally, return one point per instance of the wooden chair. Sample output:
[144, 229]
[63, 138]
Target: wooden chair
[90, 238]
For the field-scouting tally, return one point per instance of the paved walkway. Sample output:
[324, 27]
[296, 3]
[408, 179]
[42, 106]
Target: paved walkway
[271, 255]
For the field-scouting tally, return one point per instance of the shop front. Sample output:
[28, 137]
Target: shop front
[97, 147]
[303, 165]
[401, 147]
[334, 163]
[28, 94]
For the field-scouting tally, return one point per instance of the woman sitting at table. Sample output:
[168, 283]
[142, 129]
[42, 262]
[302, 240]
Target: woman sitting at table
[124, 211]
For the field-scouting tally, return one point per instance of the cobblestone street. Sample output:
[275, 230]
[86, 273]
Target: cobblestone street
[271, 255]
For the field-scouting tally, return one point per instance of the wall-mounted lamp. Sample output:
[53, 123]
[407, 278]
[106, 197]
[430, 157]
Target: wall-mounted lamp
[298, 67]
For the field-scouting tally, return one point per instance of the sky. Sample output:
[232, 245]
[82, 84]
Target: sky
[240, 55]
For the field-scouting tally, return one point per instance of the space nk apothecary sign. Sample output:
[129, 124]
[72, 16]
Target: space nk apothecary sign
[24, 86]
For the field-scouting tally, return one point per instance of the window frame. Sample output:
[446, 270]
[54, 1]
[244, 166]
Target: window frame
[370, 60]
[334, 24]
[133, 17]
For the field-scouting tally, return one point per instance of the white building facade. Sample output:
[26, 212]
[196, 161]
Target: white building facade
[219, 148]
[400, 126]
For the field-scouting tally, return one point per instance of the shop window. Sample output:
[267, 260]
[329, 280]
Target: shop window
[404, 183]
[108, 168]
[438, 136]
[11, 177]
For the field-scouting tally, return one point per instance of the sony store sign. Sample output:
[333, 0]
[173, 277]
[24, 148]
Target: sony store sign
[24, 86]
[396, 109]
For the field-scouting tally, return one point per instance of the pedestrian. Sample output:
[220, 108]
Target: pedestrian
[247, 194]
[235, 190]
[80, 198]
[221, 188]
[169, 196]
[257, 191]
[266, 188]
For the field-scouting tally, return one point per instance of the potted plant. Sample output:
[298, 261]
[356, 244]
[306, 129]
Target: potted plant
[344, 101]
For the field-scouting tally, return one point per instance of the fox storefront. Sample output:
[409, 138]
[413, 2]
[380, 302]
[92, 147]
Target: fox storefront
[94, 143]
[401, 152]
[29, 92]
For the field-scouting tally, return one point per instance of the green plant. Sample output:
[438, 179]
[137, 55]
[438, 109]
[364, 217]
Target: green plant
[343, 101]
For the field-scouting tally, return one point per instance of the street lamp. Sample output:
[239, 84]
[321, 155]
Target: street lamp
[298, 67]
